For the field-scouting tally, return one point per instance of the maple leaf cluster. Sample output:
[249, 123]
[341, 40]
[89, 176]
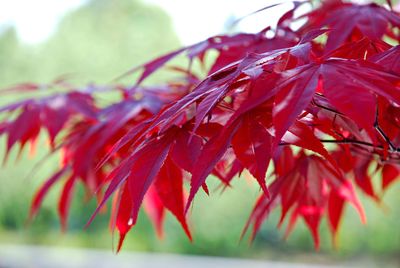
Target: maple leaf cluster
[318, 107]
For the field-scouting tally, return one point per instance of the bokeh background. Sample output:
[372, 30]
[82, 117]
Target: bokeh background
[95, 41]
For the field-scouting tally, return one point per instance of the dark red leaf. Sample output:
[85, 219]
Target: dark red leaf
[169, 187]
[40, 194]
[211, 153]
[390, 173]
[252, 146]
[65, 200]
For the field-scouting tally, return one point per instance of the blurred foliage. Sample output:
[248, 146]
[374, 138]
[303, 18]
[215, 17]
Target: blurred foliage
[96, 43]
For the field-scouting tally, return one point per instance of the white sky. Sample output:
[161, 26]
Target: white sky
[194, 20]
[35, 20]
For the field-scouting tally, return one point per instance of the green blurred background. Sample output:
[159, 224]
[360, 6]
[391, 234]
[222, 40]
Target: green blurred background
[96, 43]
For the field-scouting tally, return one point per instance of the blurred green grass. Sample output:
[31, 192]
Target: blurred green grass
[97, 43]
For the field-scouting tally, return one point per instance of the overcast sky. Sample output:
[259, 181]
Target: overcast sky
[35, 20]
[194, 20]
